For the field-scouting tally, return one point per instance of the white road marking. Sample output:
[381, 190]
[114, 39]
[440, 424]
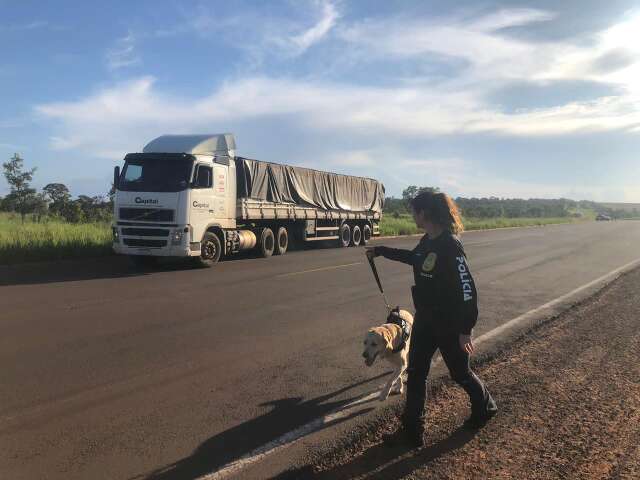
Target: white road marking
[286, 440]
[294, 435]
[319, 269]
[604, 279]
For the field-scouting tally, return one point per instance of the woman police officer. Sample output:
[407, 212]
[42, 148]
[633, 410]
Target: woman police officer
[446, 303]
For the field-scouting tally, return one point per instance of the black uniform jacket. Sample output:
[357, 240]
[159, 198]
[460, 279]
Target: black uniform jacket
[444, 290]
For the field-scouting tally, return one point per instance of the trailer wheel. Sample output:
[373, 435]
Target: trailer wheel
[210, 252]
[366, 234]
[267, 243]
[356, 236]
[345, 235]
[282, 242]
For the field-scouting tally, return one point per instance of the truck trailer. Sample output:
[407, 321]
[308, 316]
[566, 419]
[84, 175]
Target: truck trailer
[191, 196]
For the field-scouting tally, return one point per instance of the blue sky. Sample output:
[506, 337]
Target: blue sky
[508, 99]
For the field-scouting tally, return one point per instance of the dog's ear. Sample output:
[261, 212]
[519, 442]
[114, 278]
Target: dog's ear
[388, 338]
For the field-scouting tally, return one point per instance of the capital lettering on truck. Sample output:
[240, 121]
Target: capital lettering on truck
[146, 201]
[464, 279]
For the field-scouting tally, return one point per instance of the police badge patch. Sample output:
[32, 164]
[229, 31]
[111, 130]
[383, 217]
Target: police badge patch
[429, 262]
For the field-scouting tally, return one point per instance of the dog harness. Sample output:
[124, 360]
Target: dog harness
[395, 318]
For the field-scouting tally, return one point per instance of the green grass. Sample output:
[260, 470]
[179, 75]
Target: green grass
[50, 240]
[486, 223]
[404, 225]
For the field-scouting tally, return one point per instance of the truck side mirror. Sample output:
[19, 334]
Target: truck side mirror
[116, 178]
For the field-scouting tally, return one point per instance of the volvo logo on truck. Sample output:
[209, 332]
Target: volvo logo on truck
[146, 201]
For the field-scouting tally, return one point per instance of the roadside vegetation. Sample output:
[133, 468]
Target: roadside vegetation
[50, 224]
[488, 213]
[404, 224]
[50, 239]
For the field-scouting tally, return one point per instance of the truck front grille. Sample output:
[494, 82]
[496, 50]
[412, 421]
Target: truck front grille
[147, 214]
[144, 242]
[146, 232]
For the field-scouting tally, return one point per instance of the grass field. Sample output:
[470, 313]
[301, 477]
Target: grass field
[404, 225]
[627, 207]
[52, 240]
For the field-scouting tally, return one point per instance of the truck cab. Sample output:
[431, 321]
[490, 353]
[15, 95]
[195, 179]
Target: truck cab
[171, 194]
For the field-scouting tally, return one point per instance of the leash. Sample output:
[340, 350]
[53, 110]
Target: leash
[375, 274]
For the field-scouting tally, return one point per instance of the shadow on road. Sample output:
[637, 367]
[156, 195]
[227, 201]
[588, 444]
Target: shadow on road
[381, 461]
[286, 415]
[70, 270]
[112, 266]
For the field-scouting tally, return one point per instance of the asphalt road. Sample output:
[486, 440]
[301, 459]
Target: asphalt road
[111, 373]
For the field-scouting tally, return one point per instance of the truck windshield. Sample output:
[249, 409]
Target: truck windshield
[166, 173]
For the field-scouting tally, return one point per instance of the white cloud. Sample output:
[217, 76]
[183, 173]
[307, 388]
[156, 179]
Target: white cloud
[119, 113]
[515, 17]
[123, 116]
[260, 36]
[475, 41]
[314, 34]
[123, 54]
[354, 158]
[12, 146]
[34, 25]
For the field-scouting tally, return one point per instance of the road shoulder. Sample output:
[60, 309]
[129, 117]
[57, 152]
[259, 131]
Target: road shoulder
[569, 396]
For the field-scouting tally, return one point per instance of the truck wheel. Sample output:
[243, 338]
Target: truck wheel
[356, 236]
[267, 243]
[366, 234]
[210, 252]
[345, 235]
[143, 261]
[282, 242]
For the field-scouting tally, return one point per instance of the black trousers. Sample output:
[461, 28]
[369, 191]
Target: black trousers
[425, 340]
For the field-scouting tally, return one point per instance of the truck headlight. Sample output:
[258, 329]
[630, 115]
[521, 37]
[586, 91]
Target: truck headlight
[176, 237]
[115, 234]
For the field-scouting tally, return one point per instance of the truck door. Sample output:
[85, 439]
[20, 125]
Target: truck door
[202, 198]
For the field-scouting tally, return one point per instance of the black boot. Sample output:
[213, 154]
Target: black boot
[483, 407]
[479, 419]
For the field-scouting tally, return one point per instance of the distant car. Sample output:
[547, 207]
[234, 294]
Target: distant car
[602, 217]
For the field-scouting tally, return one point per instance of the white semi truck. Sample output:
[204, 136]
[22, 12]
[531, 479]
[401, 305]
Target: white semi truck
[191, 196]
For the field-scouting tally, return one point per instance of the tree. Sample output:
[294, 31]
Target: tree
[94, 209]
[22, 195]
[39, 206]
[412, 191]
[57, 192]
[72, 212]
[58, 195]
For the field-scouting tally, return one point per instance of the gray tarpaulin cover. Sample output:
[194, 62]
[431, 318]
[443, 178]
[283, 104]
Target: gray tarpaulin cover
[330, 191]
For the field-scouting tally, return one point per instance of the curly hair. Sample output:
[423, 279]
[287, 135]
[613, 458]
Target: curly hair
[438, 208]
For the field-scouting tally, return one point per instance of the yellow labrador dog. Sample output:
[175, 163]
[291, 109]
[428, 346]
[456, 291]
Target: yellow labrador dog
[391, 342]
